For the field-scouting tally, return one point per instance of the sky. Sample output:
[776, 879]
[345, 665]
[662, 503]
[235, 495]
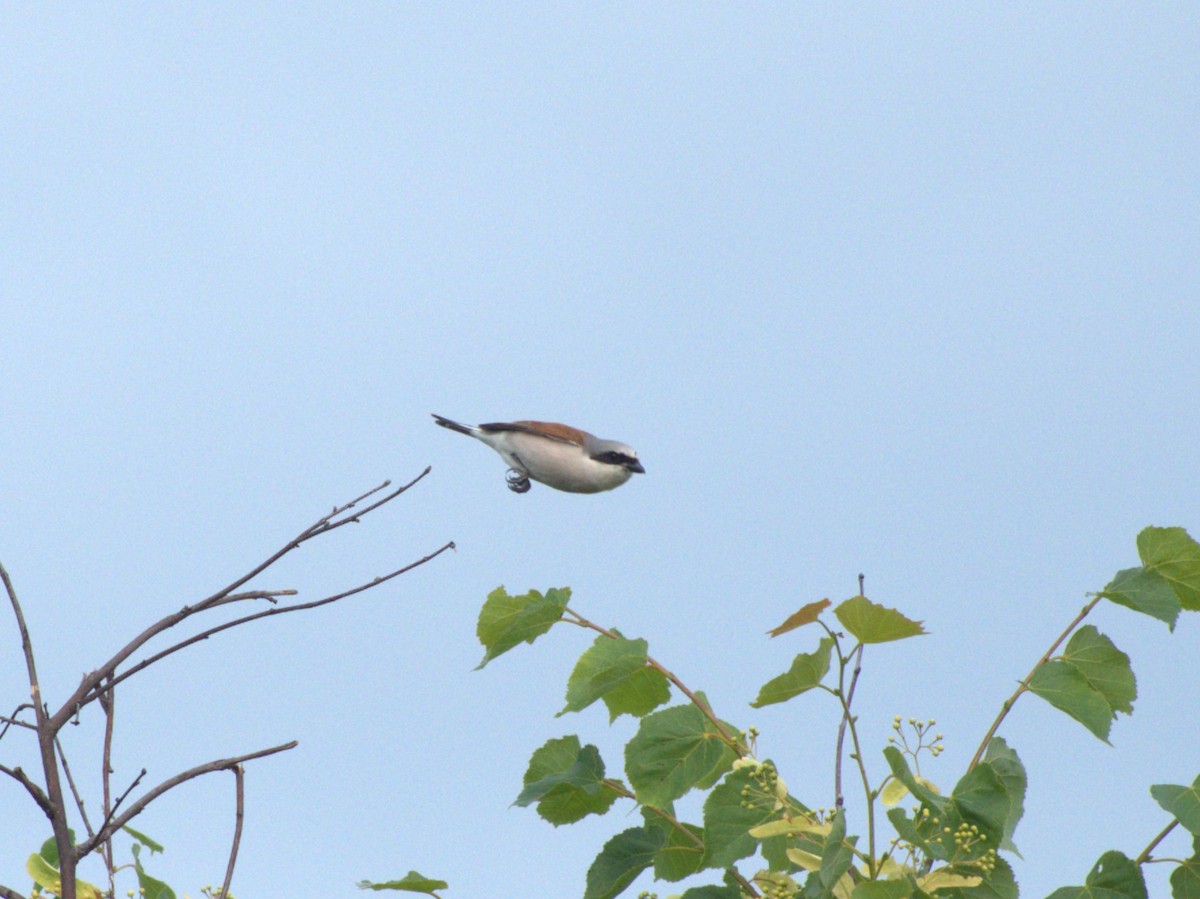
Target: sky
[906, 290]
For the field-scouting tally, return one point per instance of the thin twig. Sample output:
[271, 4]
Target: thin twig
[108, 816]
[108, 705]
[13, 721]
[87, 825]
[240, 790]
[170, 783]
[266, 613]
[9, 893]
[88, 687]
[1023, 686]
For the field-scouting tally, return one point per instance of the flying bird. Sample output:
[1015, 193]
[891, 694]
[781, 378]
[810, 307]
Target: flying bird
[558, 456]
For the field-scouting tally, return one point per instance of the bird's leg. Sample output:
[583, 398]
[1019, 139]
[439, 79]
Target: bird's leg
[517, 480]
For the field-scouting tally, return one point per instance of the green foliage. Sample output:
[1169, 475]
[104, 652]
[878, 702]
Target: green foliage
[1173, 555]
[149, 887]
[1091, 681]
[42, 867]
[807, 671]
[412, 882]
[1181, 802]
[567, 782]
[1114, 877]
[676, 750]
[615, 670]
[508, 621]
[872, 623]
[949, 846]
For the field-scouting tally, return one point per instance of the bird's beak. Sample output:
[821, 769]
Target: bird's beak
[636, 466]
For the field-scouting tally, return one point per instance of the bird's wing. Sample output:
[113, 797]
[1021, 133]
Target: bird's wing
[548, 429]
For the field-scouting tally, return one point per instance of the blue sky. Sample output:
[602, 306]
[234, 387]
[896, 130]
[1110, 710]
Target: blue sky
[902, 290]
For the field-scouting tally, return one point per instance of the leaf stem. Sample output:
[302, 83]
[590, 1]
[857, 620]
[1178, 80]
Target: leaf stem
[1023, 686]
[1144, 856]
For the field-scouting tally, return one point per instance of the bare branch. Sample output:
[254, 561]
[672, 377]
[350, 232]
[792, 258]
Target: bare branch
[170, 783]
[13, 721]
[88, 687]
[26, 644]
[116, 805]
[87, 825]
[240, 793]
[8, 893]
[108, 703]
[266, 613]
[35, 791]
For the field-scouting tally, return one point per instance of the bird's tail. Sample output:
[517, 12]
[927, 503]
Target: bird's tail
[453, 425]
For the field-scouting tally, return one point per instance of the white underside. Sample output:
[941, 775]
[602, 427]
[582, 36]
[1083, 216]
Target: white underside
[563, 466]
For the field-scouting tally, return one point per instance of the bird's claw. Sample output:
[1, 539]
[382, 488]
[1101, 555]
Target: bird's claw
[518, 481]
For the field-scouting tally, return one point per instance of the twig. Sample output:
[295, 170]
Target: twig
[88, 688]
[170, 783]
[108, 705]
[35, 791]
[240, 790]
[266, 613]
[87, 825]
[51, 801]
[1144, 856]
[7, 893]
[13, 721]
[116, 805]
[1023, 686]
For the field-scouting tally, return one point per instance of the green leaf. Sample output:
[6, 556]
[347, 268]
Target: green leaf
[873, 623]
[412, 882]
[49, 850]
[1182, 802]
[1061, 685]
[152, 888]
[838, 852]
[1172, 553]
[1105, 668]
[621, 860]
[895, 759]
[1113, 877]
[606, 665]
[639, 694]
[149, 887]
[1185, 880]
[143, 839]
[728, 817]
[883, 889]
[907, 830]
[681, 855]
[999, 883]
[806, 672]
[507, 621]
[1008, 768]
[1146, 592]
[566, 781]
[712, 892]
[673, 751]
[47, 876]
[980, 798]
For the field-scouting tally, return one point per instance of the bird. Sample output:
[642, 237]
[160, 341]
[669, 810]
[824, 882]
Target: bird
[556, 455]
